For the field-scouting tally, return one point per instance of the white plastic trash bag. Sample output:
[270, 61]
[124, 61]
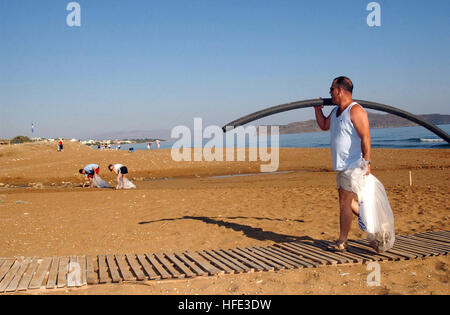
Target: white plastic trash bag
[375, 213]
[128, 184]
[98, 182]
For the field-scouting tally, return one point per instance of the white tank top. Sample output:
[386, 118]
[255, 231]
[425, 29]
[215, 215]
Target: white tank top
[345, 141]
[117, 167]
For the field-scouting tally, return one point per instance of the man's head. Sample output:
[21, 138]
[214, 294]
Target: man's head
[110, 167]
[82, 171]
[341, 90]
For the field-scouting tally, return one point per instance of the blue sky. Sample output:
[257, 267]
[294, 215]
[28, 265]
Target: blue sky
[144, 65]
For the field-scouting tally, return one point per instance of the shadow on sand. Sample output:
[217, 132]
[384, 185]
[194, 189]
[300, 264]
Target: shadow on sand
[249, 231]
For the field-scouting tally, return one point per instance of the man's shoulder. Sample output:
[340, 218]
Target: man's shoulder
[357, 109]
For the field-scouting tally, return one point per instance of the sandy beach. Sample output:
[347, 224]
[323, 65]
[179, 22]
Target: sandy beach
[181, 206]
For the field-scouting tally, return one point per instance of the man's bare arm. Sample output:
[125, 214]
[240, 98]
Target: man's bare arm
[322, 121]
[361, 122]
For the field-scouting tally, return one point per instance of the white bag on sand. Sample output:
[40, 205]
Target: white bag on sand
[128, 184]
[98, 182]
[375, 213]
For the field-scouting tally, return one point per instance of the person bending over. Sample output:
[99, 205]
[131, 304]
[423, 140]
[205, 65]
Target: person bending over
[121, 171]
[89, 171]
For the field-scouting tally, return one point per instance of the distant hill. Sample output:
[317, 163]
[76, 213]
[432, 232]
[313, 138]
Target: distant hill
[375, 120]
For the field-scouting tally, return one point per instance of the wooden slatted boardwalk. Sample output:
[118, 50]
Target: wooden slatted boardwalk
[30, 273]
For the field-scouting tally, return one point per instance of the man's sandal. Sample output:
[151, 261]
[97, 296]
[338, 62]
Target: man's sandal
[337, 246]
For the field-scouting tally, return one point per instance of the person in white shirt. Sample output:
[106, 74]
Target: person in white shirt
[350, 141]
[121, 171]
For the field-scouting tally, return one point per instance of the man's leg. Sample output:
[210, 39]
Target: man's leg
[355, 207]
[348, 206]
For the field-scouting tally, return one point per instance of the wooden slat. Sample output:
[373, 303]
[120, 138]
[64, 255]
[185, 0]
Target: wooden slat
[73, 273]
[320, 255]
[354, 258]
[245, 258]
[113, 269]
[149, 270]
[265, 260]
[299, 253]
[444, 249]
[392, 256]
[402, 253]
[434, 238]
[334, 256]
[244, 262]
[135, 268]
[216, 262]
[225, 261]
[12, 286]
[39, 276]
[278, 257]
[426, 239]
[368, 255]
[347, 253]
[169, 266]
[188, 272]
[203, 263]
[303, 261]
[447, 232]
[124, 269]
[252, 258]
[370, 251]
[91, 275]
[433, 242]
[428, 246]
[444, 235]
[103, 270]
[418, 248]
[426, 243]
[224, 254]
[76, 271]
[26, 278]
[7, 264]
[393, 251]
[83, 269]
[199, 271]
[63, 269]
[53, 273]
[163, 273]
[401, 246]
[10, 275]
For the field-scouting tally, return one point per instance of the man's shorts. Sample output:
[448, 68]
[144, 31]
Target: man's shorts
[97, 171]
[344, 181]
[123, 170]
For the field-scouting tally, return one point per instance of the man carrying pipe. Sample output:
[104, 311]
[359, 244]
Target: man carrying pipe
[350, 141]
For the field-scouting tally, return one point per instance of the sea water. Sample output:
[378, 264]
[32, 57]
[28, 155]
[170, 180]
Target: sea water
[415, 137]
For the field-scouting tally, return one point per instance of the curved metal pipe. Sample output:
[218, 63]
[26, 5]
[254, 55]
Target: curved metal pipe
[327, 102]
